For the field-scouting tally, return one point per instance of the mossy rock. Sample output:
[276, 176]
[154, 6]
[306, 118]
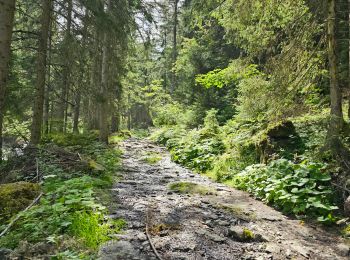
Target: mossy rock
[94, 166]
[282, 130]
[280, 138]
[15, 197]
[191, 188]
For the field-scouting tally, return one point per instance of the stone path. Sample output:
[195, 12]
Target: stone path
[220, 223]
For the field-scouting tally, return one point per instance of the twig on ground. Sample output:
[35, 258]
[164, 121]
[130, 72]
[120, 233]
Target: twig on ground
[19, 215]
[149, 237]
[340, 187]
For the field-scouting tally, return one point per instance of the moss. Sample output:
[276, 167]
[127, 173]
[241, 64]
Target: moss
[159, 228]
[93, 165]
[191, 188]
[237, 211]
[248, 234]
[152, 158]
[346, 232]
[14, 197]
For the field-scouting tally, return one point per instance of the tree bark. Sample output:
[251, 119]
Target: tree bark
[103, 105]
[41, 73]
[77, 99]
[336, 116]
[63, 107]
[47, 92]
[175, 15]
[95, 80]
[7, 11]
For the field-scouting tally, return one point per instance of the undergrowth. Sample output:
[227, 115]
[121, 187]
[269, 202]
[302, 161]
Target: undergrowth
[277, 163]
[71, 204]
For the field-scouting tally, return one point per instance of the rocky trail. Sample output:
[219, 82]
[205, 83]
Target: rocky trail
[218, 222]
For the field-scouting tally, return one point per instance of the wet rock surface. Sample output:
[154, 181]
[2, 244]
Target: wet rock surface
[197, 226]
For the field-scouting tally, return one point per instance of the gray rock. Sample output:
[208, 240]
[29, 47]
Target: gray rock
[216, 238]
[142, 237]
[5, 253]
[343, 250]
[118, 250]
[301, 250]
[347, 207]
[238, 233]
[272, 248]
[184, 247]
[211, 236]
[223, 223]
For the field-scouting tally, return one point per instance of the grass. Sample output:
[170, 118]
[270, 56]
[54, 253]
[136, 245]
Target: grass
[191, 188]
[152, 158]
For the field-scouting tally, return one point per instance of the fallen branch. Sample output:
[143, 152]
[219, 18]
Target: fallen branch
[19, 214]
[149, 238]
[340, 187]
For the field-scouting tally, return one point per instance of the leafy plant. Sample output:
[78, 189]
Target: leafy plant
[301, 189]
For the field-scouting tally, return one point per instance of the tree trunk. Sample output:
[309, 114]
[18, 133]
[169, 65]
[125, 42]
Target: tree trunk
[47, 92]
[349, 60]
[103, 108]
[63, 107]
[7, 11]
[41, 73]
[76, 112]
[115, 122]
[103, 105]
[95, 80]
[175, 21]
[336, 117]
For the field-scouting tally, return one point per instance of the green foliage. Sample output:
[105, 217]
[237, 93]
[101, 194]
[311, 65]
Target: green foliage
[90, 227]
[54, 214]
[61, 139]
[70, 205]
[198, 149]
[300, 189]
[168, 115]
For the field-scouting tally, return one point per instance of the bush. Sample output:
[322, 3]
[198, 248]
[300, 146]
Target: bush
[198, 148]
[168, 115]
[301, 189]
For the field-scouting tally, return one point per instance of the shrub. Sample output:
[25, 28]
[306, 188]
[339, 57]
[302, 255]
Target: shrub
[301, 189]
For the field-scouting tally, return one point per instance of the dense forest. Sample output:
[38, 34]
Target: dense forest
[251, 94]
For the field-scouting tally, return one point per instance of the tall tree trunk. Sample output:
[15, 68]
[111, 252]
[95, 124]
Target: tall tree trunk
[115, 122]
[336, 117]
[47, 92]
[7, 11]
[62, 110]
[76, 112]
[103, 105]
[41, 73]
[95, 80]
[349, 59]
[175, 21]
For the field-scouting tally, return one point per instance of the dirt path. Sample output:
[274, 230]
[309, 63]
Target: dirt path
[209, 226]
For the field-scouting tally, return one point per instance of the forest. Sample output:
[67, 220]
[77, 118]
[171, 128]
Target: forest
[231, 118]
